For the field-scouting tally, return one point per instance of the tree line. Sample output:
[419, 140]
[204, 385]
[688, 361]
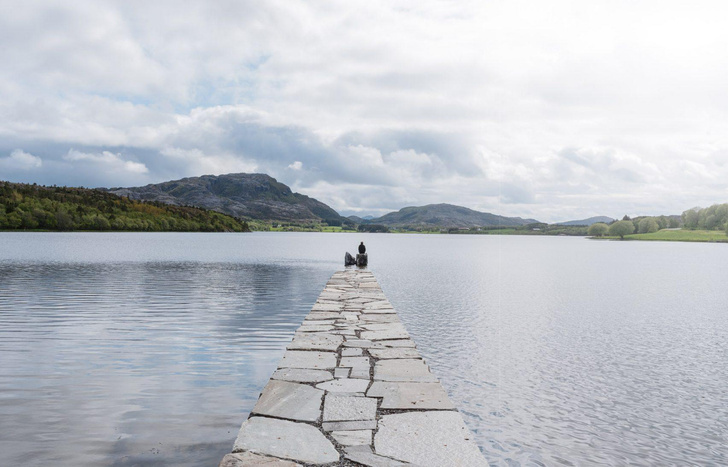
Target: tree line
[28, 207]
[627, 226]
[713, 218]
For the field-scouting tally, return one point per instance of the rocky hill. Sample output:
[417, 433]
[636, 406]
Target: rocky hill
[446, 216]
[247, 196]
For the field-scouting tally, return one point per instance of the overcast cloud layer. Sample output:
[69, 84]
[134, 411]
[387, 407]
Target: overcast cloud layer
[553, 110]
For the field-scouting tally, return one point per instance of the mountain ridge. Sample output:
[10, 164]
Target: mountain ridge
[248, 196]
[261, 197]
[446, 215]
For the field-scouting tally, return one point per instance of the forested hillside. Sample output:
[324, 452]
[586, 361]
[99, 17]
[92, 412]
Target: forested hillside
[60, 208]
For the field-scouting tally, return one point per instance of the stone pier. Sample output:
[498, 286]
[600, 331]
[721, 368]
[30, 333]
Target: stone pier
[352, 389]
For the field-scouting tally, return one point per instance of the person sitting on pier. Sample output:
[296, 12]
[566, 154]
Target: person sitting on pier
[362, 248]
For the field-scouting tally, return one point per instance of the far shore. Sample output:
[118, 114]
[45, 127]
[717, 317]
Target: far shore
[665, 235]
[672, 235]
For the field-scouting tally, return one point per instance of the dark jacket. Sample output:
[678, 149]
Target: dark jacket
[362, 249]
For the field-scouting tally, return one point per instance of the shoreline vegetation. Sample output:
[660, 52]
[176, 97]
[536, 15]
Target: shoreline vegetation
[41, 208]
[678, 235]
[35, 208]
[694, 225]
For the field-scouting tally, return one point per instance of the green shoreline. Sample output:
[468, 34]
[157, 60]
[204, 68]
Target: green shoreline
[694, 236]
[26, 207]
[683, 235]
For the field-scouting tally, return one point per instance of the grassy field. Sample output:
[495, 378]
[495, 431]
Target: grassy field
[680, 236]
[335, 229]
[428, 232]
[296, 228]
[502, 232]
[662, 235]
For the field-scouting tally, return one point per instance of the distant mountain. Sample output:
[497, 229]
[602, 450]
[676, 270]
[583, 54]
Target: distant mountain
[251, 196]
[360, 220]
[446, 215]
[590, 221]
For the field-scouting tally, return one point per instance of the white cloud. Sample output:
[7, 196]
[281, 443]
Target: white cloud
[20, 160]
[107, 161]
[552, 110]
[196, 162]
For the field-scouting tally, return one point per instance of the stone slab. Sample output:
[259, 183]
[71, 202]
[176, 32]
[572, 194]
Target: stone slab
[384, 335]
[249, 459]
[360, 367]
[351, 318]
[361, 343]
[353, 437]
[360, 300]
[379, 318]
[315, 327]
[293, 401]
[341, 372]
[345, 385]
[353, 362]
[383, 326]
[339, 408]
[374, 295]
[302, 375]
[407, 370]
[322, 315]
[397, 343]
[281, 438]
[378, 311]
[437, 439]
[315, 341]
[365, 456]
[351, 425]
[330, 293]
[410, 395]
[399, 352]
[360, 373]
[304, 359]
[351, 352]
[379, 305]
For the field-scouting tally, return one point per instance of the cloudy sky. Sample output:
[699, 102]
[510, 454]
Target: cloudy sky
[554, 110]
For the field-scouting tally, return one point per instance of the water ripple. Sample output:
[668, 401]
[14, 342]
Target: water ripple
[139, 363]
[569, 352]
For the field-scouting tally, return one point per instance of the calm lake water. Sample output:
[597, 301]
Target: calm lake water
[150, 349]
